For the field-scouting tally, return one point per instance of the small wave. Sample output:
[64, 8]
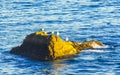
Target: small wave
[102, 49]
[96, 51]
[87, 58]
[106, 46]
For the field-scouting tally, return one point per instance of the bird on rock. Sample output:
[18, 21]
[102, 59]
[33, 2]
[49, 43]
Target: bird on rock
[58, 33]
[52, 32]
[42, 29]
[66, 39]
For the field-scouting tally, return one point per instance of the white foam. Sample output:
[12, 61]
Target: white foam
[106, 46]
[87, 57]
[96, 51]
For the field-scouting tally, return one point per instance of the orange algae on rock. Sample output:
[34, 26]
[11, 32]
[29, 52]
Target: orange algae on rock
[43, 46]
[41, 33]
[59, 48]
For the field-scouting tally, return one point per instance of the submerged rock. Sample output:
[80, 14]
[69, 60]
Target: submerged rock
[42, 46]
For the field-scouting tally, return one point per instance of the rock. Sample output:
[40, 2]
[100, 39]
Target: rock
[41, 46]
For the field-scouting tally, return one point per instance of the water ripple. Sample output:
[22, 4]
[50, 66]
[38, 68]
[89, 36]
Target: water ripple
[77, 19]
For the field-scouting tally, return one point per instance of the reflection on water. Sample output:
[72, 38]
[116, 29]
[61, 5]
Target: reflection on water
[58, 67]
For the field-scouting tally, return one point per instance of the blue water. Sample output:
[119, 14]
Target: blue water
[77, 19]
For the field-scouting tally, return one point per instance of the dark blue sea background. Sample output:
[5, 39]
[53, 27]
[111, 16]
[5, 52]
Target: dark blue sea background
[77, 19]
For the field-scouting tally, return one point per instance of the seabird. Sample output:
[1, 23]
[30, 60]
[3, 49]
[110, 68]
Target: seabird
[58, 33]
[42, 29]
[66, 39]
[52, 32]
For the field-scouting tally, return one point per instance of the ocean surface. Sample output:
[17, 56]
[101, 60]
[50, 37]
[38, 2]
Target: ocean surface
[77, 19]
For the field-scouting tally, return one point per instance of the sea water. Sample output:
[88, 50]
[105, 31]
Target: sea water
[77, 19]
